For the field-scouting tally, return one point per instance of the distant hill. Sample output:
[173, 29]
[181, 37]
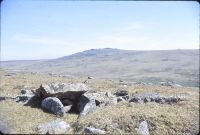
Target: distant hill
[180, 66]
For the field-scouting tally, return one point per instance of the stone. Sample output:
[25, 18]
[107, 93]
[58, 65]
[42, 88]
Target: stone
[54, 127]
[67, 108]
[135, 99]
[143, 128]
[25, 96]
[89, 102]
[109, 94]
[27, 91]
[119, 99]
[112, 101]
[121, 93]
[89, 77]
[67, 102]
[92, 130]
[62, 90]
[147, 99]
[53, 104]
[125, 97]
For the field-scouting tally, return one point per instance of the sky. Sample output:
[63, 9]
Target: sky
[39, 29]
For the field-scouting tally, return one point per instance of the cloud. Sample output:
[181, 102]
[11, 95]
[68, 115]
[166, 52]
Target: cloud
[24, 38]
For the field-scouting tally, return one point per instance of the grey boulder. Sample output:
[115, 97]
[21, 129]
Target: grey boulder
[54, 105]
[89, 102]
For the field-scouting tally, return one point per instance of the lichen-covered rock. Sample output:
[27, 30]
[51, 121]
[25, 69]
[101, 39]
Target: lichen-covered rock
[54, 105]
[54, 127]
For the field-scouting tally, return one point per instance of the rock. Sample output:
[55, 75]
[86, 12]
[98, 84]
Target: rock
[54, 105]
[121, 81]
[5, 127]
[135, 99]
[157, 98]
[109, 94]
[125, 97]
[67, 102]
[112, 101]
[62, 90]
[147, 99]
[119, 99]
[23, 98]
[67, 108]
[172, 99]
[27, 91]
[143, 128]
[89, 77]
[92, 130]
[121, 93]
[89, 102]
[54, 127]
[26, 96]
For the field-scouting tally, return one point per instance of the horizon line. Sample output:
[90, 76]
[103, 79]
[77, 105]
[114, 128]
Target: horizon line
[10, 60]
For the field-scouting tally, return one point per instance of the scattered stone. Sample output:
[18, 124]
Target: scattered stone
[27, 91]
[54, 105]
[92, 130]
[119, 99]
[156, 98]
[89, 77]
[143, 128]
[54, 127]
[121, 93]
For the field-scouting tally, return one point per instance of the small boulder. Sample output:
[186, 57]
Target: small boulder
[89, 102]
[54, 105]
[89, 77]
[92, 130]
[54, 127]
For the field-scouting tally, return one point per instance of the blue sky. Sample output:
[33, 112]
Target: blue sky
[50, 29]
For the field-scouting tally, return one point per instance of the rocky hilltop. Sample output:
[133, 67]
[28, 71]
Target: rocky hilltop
[178, 66]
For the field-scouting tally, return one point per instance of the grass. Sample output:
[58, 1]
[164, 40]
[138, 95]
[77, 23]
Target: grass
[178, 118]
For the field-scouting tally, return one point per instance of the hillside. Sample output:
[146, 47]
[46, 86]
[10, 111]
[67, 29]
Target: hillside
[180, 66]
